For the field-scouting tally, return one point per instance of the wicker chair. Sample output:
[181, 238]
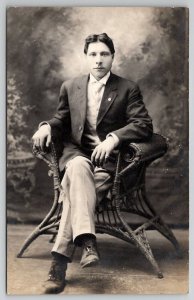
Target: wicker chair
[128, 197]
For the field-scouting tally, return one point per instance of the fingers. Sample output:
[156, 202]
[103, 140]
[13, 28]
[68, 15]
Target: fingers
[41, 135]
[42, 143]
[99, 156]
[93, 156]
[36, 141]
[39, 140]
[101, 152]
[48, 141]
[106, 157]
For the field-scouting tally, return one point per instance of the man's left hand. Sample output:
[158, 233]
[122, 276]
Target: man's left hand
[102, 151]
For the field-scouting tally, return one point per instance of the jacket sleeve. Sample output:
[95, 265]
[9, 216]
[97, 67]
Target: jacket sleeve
[62, 119]
[138, 122]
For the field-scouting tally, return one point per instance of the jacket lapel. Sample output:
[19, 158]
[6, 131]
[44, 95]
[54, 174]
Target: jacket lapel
[108, 98]
[81, 98]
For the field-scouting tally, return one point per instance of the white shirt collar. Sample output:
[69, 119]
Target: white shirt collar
[102, 80]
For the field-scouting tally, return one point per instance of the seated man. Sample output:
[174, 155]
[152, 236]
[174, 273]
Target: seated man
[99, 112]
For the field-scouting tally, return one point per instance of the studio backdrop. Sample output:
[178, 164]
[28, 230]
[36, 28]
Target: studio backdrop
[45, 47]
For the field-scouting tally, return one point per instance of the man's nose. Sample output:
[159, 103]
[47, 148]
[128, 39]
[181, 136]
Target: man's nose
[98, 60]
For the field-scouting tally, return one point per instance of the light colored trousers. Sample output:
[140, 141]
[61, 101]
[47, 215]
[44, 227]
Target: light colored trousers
[82, 187]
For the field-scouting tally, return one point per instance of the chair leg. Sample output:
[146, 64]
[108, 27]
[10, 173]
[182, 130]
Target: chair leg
[142, 243]
[160, 224]
[35, 233]
[167, 232]
[140, 240]
[42, 227]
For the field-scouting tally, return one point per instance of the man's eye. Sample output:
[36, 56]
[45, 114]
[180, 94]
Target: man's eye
[105, 54]
[92, 54]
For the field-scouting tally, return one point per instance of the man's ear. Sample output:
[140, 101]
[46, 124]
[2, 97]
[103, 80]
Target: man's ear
[113, 56]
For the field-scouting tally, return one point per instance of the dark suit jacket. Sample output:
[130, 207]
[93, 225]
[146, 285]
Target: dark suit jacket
[122, 112]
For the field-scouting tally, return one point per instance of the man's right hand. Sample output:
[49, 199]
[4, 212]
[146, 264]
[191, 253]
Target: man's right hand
[42, 136]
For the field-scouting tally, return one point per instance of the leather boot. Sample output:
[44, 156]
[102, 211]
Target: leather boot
[56, 277]
[90, 256]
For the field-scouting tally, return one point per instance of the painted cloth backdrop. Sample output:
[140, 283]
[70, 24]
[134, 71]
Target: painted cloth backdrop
[45, 47]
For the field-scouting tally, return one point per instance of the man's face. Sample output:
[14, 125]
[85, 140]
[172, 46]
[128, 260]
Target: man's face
[99, 59]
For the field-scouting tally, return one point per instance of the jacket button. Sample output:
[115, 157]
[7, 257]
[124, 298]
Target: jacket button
[80, 128]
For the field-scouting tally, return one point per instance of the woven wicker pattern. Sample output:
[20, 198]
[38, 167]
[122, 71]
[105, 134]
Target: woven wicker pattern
[128, 198]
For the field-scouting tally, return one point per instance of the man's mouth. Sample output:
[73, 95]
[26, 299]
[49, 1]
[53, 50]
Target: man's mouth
[99, 68]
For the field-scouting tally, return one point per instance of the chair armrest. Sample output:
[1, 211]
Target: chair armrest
[50, 157]
[53, 152]
[46, 155]
[133, 155]
[151, 149]
[137, 153]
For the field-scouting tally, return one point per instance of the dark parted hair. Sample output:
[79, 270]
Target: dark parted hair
[103, 37]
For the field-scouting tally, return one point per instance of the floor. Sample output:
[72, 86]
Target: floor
[123, 269]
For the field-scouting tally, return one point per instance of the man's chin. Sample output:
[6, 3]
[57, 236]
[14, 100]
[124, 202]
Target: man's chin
[98, 74]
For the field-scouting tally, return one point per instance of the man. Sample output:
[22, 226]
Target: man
[99, 112]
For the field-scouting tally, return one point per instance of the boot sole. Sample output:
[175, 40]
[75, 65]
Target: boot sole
[53, 289]
[90, 263]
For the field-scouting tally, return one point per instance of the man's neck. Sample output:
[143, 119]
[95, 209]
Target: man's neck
[104, 78]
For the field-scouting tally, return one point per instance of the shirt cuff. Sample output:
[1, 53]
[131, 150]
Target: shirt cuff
[115, 139]
[44, 123]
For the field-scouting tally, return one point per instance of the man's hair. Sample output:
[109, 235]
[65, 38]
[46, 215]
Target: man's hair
[103, 37]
